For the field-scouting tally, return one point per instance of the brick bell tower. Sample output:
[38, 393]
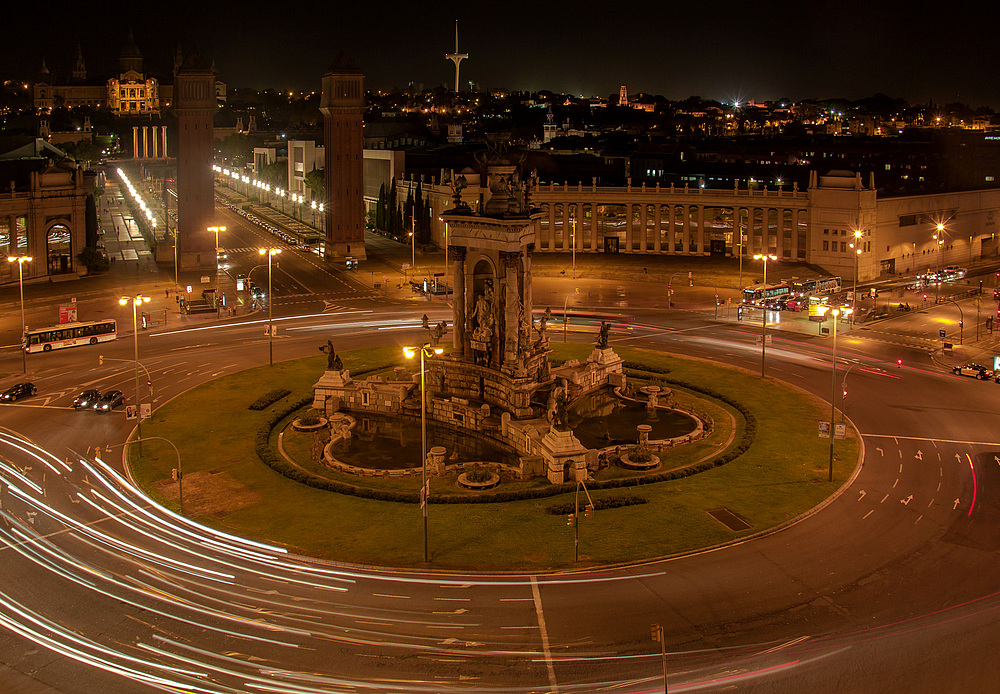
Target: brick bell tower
[343, 105]
[195, 106]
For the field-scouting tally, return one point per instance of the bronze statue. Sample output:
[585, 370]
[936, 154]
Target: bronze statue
[333, 362]
[602, 337]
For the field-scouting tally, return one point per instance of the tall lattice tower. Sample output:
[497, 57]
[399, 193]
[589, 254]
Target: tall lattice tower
[456, 58]
[343, 105]
[195, 106]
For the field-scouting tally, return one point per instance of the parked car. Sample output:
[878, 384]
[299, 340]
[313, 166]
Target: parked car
[109, 401]
[973, 370]
[86, 399]
[18, 391]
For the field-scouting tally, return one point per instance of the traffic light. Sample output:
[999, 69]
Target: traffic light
[100, 359]
[571, 520]
[845, 394]
[899, 363]
[589, 511]
[690, 279]
[655, 632]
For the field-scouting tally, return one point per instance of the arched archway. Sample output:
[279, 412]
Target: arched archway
[59, 249]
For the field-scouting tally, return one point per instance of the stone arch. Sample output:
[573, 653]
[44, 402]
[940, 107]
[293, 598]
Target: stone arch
[59, 249]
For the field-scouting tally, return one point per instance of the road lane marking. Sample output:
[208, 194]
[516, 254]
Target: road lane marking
[868, 514]
[544, 633]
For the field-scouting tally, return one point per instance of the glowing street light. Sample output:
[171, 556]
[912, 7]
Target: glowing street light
[269, 252]
[217, 230]
[763, 324]
[21, 260]
[833, 388]
[136, 302]
[425, 351]
[938, 242]
[857, 257]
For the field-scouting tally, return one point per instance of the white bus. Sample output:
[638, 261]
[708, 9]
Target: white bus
[69, 335]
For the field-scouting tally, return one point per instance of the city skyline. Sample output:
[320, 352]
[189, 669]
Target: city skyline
[717, 50]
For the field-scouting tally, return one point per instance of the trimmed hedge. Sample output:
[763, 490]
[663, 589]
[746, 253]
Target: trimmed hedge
[599, 504]
[268, 399]
[270, 457]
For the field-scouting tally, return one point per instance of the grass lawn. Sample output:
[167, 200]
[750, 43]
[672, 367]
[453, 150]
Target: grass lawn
[225, 485]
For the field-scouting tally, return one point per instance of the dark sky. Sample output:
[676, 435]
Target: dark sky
[718, 49]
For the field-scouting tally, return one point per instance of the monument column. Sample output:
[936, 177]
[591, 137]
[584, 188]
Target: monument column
[156, 153]
[629, 232]
[135, 142]
[566, 230]
[511, 306]
[458, 299]
[671, 229]
[551, 244]
[795, 235]
[595, 225]
[686, 227]
[701, 229]
[528, 300]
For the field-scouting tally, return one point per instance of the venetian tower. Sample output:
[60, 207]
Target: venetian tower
[343, 105]
[195, 106]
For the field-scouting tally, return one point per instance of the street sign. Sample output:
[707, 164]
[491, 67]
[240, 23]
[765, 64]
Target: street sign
[824, 430]
[145, 410]
[941, 333]
[839, 431]
[205, 279]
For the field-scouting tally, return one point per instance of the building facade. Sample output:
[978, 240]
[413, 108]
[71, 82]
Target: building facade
[42, 213]
[814, 226]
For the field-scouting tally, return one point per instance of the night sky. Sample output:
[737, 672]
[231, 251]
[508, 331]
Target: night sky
[717, 49]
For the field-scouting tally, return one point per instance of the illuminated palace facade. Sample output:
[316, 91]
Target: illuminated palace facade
[129, 92]
[815, 226]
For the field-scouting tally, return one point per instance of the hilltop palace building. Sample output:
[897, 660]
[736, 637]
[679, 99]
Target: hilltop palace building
[815, 226]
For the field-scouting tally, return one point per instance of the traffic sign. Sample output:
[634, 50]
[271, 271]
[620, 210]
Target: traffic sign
[824, 430]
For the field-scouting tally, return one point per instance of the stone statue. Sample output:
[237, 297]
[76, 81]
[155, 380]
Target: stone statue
[483, 315]
[437, 332]
[459, 183]
[543, 323]
[602, 337]
[333, 362]
[555, 407]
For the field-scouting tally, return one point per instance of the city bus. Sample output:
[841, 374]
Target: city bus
[762, 293]
[69, 335]
[817, 286]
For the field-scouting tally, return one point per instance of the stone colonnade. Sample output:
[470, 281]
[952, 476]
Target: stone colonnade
[153, 143]
[674, 222]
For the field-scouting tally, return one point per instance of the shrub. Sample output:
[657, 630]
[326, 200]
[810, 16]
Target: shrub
[478, 474]
[309, 420]
[269, 398]
[603, 503]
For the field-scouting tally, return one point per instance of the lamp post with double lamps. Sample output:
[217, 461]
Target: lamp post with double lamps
[425, 351]
[833, 388]
[269, 252]
[857, 257]
[136, 302]
[217, 230]
[763, 323]
[938, 242]
[21, 260]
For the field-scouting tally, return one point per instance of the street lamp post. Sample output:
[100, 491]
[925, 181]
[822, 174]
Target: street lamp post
[413, 244]
[136, 302]
[21, 260]
[833, 387]
[857, 257]
[269, 252]
[425, 351]
[763, 323]
[217, 230]
[938, 241]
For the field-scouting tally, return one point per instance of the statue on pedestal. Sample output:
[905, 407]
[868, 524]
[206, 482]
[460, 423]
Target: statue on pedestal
[333, 362]
[602, 337]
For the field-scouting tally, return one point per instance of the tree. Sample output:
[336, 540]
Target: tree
[316, 182]
[380, 210]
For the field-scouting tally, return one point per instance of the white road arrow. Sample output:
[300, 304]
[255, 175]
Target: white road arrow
[919, 455]
[862, 495]
[958, 457]
[883, 454]
[996, 459]
[955, 505]
[907, 500]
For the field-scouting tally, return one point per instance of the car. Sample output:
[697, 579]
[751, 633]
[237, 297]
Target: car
[18, 391]
[973, 370]
[86, 399]
[109, 401]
